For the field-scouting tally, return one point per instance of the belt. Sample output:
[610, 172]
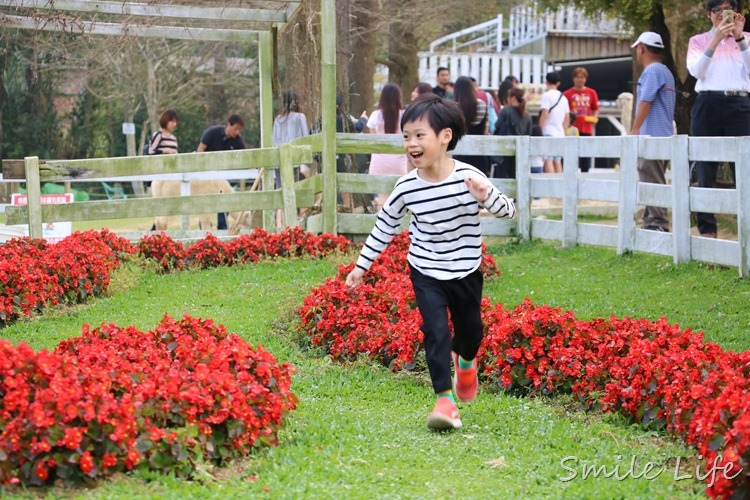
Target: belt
[726, 93]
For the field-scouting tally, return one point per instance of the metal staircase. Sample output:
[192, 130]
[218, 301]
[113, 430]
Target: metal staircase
[491, 50]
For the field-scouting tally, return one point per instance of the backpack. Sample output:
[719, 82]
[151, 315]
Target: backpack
[147, 146]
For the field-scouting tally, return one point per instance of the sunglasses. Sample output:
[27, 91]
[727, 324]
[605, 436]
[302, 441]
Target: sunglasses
[718, 10]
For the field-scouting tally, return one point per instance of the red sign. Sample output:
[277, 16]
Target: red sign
[51, 231]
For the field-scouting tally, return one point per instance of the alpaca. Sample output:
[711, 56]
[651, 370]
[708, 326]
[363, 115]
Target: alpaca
[161, 189]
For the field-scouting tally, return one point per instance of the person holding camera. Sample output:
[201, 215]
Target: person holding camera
[719, 59]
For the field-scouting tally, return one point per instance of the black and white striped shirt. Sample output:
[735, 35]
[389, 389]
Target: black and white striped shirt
[160, 141]
[445, 231]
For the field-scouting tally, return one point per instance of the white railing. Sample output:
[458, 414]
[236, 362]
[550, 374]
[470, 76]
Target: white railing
[630, 194]
[489, 70]
[573, 21]
[621, 189]
[466, 52]
[484, 37]
[528, 24]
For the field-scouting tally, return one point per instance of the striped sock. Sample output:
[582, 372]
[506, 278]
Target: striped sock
[447, 394]
[463, 364]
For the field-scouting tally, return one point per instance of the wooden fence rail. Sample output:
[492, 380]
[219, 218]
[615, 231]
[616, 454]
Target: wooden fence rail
[288, 198]
[571, 187]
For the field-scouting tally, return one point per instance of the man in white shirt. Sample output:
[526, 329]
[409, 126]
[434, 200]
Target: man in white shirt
[554, 118]
[719, 59]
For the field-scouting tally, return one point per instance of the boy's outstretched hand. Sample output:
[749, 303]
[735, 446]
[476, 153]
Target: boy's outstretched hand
[354, 279]
[478, 188]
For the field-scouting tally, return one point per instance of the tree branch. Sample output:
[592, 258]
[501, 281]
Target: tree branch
[384, 62]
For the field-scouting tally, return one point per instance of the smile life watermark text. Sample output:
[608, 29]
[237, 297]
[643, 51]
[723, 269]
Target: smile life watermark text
[636, 469]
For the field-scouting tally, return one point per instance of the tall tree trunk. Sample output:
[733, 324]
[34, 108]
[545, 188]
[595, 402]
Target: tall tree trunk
[364, 40]
[217, 105]
[129, 117]
[403, 63]
[3, 96]
[151, 97]
[343, 50]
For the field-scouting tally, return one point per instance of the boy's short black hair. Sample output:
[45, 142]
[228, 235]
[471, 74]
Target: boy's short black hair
[440, 114]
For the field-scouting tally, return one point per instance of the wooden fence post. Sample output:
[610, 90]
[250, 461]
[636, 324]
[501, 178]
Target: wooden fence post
[328, 98]
[185, 191]
[628, 186]
[265, 58]
[742, 179]
[570, 193]
[33, 196]
[680, 166]
[523, 193]
[289, 199]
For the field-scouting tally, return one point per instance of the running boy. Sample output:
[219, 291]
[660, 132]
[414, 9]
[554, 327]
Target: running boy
[444, 197]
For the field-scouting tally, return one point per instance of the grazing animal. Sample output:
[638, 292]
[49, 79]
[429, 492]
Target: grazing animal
[160, 189]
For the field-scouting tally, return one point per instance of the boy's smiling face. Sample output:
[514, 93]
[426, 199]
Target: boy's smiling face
[424, 148]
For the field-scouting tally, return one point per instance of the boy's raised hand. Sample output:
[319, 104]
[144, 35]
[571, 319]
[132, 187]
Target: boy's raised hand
[479, 188]
[354, 279]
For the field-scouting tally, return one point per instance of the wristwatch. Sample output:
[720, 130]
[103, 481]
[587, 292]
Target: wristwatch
[740, 39]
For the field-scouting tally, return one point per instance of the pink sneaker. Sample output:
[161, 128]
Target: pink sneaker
[444, 416]
[466, 381]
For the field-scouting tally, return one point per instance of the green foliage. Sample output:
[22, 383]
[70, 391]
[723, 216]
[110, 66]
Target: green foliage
[30, 126]
[35, 66]
[635, 12]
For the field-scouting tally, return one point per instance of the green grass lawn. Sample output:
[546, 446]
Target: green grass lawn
[360, 432]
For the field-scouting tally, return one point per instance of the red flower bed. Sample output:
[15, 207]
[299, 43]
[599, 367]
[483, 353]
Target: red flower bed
[381, 320]
[116, 398]
[35, 275]
[653, 372]
[168, 253]
[212, 252]
[184, 393]
[208, 252]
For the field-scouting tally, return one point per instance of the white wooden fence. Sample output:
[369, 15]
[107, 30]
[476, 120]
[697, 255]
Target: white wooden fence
[487, 69]
[571, 187]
